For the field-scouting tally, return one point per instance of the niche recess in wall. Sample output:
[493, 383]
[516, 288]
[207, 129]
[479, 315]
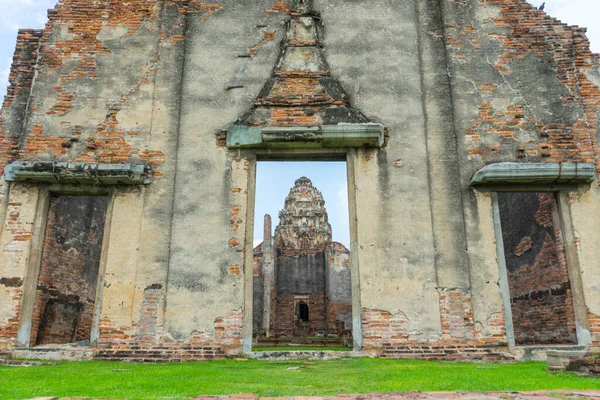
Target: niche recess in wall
[538, 278]
[66, 289]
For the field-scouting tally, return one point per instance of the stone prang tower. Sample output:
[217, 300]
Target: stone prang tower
[303, 222]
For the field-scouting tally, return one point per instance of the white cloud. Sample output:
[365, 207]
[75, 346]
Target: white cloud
[4, 72]
[23, 14]
[18, 14]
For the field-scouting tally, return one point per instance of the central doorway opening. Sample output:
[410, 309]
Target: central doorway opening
[303, 313]
[302, 280]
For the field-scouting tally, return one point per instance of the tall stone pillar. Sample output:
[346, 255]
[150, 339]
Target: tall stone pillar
[268, 274]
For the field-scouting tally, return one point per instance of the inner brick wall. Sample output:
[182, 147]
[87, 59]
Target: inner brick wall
[287, 322]
[540, 290]
[66, 290]
[302, 275]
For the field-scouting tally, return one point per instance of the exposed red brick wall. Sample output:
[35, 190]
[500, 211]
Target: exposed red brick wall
[15, 102]
[23, 66]
[594, 321]
[225, 342]
[381, 328]
[461, 339]
[73, 59]
[456, 312]
[294, 97]
[8, 331]
[147, 325]
[588, 365]
[279, 7]
[66, 289]
[286, 323]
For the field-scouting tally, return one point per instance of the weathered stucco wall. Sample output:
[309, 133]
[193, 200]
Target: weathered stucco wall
[457, 84]
[397, 271]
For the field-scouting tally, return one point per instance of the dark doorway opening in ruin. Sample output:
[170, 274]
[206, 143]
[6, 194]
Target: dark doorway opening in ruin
[538, 278]
[65, 297]
[302, 288]
[303, 314]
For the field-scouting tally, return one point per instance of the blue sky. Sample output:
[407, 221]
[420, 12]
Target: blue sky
[275, 179]
[273, 183]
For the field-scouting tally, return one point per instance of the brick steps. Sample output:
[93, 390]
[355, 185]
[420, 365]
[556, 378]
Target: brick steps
[446, 353]
[263, 342]
[162, 354]
[301, 355]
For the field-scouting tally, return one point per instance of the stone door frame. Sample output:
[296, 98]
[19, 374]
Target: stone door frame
[33, 266]
[572, 258]
[347, 155]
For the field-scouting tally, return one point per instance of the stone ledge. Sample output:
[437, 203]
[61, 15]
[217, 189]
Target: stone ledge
[328, 136]
[520, 173]
[58, 353]
[559, 359]
[78, 173]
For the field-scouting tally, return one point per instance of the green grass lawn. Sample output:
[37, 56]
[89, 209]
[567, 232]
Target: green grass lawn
[358, 375]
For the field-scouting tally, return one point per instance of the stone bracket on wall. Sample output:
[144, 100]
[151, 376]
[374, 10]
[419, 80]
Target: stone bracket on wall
[78, 173]
[507, 173]
[342, 135]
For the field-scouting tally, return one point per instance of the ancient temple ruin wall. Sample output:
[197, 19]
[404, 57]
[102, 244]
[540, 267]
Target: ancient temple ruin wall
[212, 209]
[394, 245]
[300, 276]
[155, 82]
[322, 281]
[81, 109]
[517, 98]
[16, 236]
[13, 112]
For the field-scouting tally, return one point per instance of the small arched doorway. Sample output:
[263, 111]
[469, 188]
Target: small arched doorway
[303, 312]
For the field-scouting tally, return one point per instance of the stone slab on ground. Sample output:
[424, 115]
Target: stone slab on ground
[67, 353]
